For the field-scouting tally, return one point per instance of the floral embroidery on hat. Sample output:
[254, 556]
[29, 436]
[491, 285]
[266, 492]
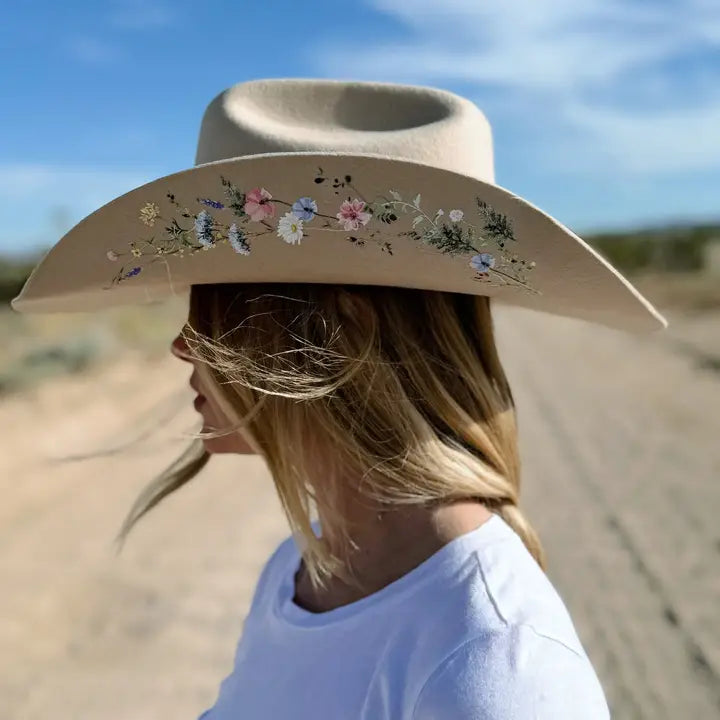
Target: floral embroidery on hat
[487, 238]
[204, 228]
[258, 205]
[211, 203]
[238, 241]
[290, 228]
[483, 262]
[305, 208]
[353, 215]
[149, 212]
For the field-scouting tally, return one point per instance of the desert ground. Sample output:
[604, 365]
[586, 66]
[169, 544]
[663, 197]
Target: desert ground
[621, 460]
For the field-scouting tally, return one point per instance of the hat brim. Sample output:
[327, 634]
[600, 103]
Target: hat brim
[413, 225]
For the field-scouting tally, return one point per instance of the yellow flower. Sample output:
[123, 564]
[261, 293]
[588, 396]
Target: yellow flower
[149, 213]
[136, 252]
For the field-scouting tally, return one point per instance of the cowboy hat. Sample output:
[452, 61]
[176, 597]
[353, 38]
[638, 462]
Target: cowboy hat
[330, 181]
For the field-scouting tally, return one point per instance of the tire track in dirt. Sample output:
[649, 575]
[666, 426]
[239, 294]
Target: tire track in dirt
[552, 383]
[696, 655]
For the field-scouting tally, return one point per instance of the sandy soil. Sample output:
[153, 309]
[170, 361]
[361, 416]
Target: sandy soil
[619, 439]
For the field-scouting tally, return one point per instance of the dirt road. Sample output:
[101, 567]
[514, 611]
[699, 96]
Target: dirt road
[619, 439]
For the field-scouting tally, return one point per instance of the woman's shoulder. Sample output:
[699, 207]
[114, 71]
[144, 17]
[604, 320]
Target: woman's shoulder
[497, 586]
[507, 646]
[514, 651]
[509, 582]
[512, 676]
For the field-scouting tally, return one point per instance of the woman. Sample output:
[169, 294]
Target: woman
[389, 409]
[369, 381]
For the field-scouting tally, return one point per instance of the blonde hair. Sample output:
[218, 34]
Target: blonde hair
[394, 396]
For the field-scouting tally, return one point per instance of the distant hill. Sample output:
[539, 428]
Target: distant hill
[13, 273]
[667, 249]
[662, 249]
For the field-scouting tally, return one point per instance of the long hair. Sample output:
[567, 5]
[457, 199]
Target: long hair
[391, 396]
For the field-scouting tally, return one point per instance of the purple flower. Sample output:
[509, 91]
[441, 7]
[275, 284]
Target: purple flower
[133, 272]
[483, 262]
[211, 203]
[304, 209]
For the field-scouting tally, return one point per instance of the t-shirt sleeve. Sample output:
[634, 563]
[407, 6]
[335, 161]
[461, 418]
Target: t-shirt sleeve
[518, 675]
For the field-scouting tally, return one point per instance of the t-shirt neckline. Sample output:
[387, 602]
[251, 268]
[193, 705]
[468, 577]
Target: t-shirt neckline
[444, 559]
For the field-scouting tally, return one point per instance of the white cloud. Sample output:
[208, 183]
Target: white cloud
[676, 140]
[93, 50]
[20, 181]
[600, 71]
[140, 15]
[40, 202]
[127, 15]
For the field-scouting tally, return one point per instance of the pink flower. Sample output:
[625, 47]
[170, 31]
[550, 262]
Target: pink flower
[258, 205]
[353, 214]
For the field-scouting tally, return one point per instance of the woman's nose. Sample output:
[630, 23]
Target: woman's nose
[179, 348]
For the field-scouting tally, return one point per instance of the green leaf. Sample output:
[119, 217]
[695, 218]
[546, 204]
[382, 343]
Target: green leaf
[418, 219]
[395, 195]
[416, 201]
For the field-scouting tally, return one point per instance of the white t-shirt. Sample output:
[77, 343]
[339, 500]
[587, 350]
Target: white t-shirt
[475, 631]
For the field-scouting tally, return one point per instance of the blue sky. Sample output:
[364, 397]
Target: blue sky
[606, 113]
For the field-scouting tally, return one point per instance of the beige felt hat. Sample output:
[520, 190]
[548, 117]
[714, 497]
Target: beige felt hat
[334, 182]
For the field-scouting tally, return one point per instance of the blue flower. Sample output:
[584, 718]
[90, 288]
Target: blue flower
[483, 262]
[304, 209]
[238, 241]
[133, 272]
[211, 203]
[203, 228]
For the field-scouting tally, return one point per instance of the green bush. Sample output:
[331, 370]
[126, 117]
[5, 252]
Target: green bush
[13, 274]
[665, 250]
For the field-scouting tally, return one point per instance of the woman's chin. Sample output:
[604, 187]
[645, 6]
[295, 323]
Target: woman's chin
[218, 446]
[233, 443]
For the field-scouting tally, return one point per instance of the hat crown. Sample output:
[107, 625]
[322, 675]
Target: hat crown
[422, 124]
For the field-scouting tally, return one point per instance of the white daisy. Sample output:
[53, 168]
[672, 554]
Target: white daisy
[290, 228]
